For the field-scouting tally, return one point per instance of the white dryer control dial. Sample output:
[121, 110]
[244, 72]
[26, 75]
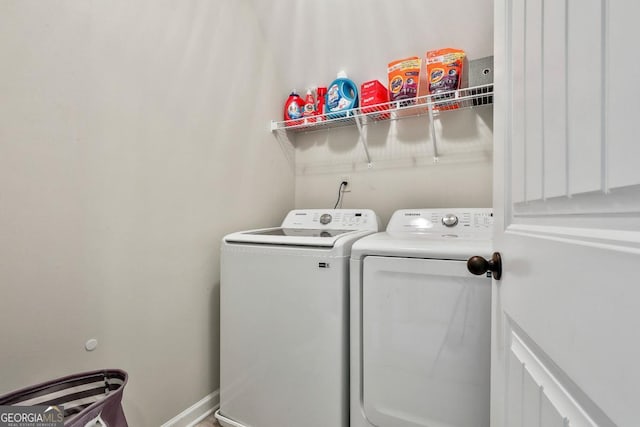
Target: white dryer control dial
[325, 219]
[449, 220]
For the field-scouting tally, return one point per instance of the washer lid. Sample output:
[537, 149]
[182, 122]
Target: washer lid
[297, 232]
[293, 236]
[313, 227]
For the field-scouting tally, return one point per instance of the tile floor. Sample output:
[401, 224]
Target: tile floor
[210, 421]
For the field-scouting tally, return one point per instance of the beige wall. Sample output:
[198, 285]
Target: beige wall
[133, 136]
[403, 174]
[313, 40]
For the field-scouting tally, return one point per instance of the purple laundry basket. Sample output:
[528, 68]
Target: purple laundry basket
[90, 397]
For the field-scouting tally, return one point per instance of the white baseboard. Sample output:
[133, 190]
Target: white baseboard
[196, 412]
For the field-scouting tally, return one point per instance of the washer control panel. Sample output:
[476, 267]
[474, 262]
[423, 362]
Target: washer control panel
[450, 220]
[472, 220]
[335, 219]
[325, 218]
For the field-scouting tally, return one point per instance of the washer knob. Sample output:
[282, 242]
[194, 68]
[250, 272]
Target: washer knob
[449, 220]
[325, 219]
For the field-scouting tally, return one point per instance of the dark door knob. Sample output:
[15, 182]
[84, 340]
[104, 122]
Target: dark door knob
[478, 265]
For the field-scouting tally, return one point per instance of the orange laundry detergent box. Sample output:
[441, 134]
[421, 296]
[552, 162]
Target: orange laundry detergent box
[404, 78]
[373, 93]
[444, 75]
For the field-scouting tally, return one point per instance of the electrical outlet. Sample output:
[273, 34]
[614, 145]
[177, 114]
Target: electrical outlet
[349, 186]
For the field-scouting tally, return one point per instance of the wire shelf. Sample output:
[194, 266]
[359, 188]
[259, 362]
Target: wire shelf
[428, 104]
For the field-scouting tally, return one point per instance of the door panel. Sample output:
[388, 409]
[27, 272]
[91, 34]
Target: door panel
[571, 109]
[623, 109]
[583, 37]
[564, 315]
[516, 125]
[554, 97]
[532, 138]
[425, 343]
[544, 397]
[549, 415]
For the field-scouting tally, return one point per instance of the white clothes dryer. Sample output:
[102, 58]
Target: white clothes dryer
[420, 322]
[284, 320]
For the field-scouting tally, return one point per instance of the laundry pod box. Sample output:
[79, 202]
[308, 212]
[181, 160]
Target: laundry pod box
[404, 80]
[444, 74]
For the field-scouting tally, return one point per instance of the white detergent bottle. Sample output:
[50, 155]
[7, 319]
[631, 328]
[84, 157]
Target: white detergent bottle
[342, 96]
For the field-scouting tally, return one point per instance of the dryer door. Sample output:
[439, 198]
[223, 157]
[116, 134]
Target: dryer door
[426, 333]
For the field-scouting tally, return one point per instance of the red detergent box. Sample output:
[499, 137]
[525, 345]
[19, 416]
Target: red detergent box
[372, 93]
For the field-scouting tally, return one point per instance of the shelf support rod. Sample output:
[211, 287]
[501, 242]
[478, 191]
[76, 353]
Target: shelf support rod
[363, 139]
[433, 130]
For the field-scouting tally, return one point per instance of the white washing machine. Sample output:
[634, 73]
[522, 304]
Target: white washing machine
[420, 322]
[284, 320]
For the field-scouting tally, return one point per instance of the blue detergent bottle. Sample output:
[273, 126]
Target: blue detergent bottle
[342, 96]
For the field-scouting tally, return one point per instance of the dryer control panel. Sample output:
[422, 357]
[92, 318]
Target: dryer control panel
[472, 220]
[335, 219]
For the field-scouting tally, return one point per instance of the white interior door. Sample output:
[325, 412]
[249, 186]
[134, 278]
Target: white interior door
[566, 343]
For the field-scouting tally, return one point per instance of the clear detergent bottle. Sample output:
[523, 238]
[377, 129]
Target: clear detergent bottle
[342, 96]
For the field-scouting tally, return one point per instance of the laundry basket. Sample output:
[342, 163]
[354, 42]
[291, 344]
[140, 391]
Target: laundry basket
[88, 399]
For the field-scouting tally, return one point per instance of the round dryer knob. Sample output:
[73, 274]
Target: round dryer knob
[325, 219]
[449, 220]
